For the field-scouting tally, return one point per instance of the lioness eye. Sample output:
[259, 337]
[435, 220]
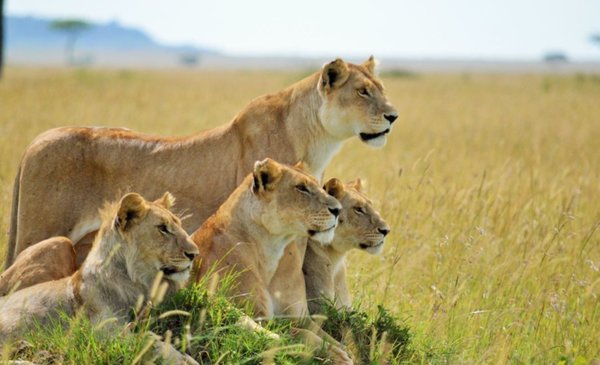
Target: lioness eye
[359, 210]
[163, 229]
[364, 92]
[302, 188]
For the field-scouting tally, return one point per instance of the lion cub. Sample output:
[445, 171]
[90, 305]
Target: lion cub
[137, 240]
[360, 227]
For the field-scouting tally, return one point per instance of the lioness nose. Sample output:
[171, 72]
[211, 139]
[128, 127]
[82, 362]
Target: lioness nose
[335, 211]
[391, 117]
[191, 255]
[384, 231]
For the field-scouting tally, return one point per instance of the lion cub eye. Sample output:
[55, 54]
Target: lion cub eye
[359, 210]
[364, 92]
[302, 188]
[163, 229]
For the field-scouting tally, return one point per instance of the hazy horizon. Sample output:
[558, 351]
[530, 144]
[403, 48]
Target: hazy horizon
[464, 29]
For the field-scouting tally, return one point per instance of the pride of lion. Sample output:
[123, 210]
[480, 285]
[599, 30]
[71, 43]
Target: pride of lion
[250, 188]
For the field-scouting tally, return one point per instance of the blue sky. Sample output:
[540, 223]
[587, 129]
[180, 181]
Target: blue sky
[479, 29]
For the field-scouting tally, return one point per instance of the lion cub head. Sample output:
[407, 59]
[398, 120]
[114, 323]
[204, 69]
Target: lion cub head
[151, 240]
[360, 225]
[293, 203]
[354, 102]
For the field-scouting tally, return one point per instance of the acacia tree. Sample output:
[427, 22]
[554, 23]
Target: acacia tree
[72, 28]
[595, 38]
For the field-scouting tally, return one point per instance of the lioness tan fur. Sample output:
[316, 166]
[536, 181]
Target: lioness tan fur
[273, 206]
[360, 227]
[248, 234]
[51, 259]
[307, 121]
[137, 240]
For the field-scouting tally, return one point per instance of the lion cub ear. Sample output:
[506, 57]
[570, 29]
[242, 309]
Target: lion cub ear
[334, 74]
[132, 207]
[167, 201]
[357, 184]
[335, 188]
[266, 173]
[371, 65]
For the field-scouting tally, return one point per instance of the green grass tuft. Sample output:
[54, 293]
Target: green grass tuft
[373, 338]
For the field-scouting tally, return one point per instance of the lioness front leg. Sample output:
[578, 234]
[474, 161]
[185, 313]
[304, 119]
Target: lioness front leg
[166, 352]
[334, 350]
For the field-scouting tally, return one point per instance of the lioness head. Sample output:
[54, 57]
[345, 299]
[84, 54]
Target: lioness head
[293, 203]
[354, 102]
[153, 240]
[360, 226]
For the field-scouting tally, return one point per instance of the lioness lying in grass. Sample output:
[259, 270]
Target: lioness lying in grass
[137, 240]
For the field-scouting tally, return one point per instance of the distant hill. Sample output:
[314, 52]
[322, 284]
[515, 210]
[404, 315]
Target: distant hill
[29, 37]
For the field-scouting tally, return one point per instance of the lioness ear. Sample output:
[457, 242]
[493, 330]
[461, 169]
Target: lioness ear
[334, 74]
[370, 65]
[266, 173]
[131, 208]
[301, 165]
[167, 201]
[335, 188]
[356, 184]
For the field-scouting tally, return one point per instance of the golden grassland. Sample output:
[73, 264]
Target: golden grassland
[491, 184]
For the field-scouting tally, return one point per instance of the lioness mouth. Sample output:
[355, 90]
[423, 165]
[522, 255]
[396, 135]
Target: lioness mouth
[364, 246]
[170, 270]
[312, 232]
[370, 136]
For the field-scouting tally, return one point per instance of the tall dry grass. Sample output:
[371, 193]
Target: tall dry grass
[491, 184]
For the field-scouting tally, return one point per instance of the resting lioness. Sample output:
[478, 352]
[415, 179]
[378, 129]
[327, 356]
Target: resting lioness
[273, 206]
[51, 259]
[360, 227]
[137, 240]
[307, 121]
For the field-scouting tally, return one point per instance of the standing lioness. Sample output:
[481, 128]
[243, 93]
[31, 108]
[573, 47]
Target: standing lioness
[307, 121]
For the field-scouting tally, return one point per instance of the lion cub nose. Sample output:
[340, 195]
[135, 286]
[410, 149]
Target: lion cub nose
[335, 211]
[384, 231]
[391, 117]
[191, 255]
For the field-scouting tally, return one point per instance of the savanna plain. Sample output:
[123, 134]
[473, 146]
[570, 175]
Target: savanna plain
[490, 183]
